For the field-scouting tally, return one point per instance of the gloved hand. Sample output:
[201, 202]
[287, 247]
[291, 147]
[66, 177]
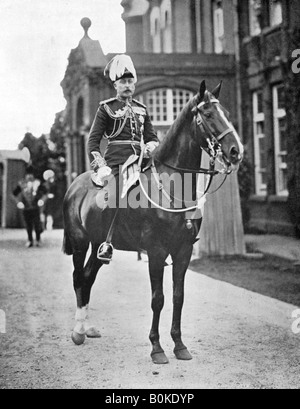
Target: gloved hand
[100, 167]
[98, 161]
[20, 206]
[150, 147]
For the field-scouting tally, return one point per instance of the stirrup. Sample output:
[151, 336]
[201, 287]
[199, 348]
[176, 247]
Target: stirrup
[105, 252]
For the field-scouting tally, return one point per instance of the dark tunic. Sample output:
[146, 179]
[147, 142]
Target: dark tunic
[30, 193]
[119, 121]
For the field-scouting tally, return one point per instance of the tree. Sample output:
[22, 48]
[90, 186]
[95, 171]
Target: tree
[39, 152]
[48, 152]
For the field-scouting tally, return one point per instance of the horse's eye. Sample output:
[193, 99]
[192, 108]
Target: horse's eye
[208, 114]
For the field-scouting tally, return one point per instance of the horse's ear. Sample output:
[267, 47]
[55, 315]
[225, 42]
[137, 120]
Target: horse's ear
[202, 91]
[217, 90]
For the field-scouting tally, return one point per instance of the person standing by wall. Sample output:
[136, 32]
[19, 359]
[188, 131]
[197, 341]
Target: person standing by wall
[30, 197]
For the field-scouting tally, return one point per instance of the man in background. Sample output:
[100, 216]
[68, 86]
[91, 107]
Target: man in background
[30, 197]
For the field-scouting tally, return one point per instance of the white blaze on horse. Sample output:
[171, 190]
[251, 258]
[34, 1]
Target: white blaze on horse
[162, 231]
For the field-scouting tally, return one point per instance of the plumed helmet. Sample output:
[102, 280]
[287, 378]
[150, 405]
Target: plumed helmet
[121, 66]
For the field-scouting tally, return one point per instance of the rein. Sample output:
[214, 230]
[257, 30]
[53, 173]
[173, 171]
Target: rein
[203, 171]
[213, 150]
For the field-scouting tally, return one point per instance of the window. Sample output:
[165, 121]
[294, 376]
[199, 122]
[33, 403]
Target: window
[275, 12]
[155, 29]
[254, 7]
[164, 105]
[166, 26]
[196, 25]
[219, 32]
[260, 152]
[280, 141]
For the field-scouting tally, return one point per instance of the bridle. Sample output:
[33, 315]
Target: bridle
[214, 148]
[214, 151]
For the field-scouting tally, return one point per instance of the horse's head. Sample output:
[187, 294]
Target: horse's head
[218, 136]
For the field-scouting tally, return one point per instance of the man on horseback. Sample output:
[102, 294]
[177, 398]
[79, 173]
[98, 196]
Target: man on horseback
[126, 124]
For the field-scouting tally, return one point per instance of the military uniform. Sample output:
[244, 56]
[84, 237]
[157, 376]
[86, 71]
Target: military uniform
[125, 125]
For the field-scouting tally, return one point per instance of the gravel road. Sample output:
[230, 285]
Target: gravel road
[238, 339]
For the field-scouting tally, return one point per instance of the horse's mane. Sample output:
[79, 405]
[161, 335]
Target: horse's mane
[175, 130]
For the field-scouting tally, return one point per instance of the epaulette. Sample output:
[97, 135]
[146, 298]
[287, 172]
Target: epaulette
[107, 101]
[140, 103]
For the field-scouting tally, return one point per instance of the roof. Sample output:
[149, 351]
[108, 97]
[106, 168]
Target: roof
[12, 155]
[93, 53]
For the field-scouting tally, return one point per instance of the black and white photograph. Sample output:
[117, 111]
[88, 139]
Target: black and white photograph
[150, 197]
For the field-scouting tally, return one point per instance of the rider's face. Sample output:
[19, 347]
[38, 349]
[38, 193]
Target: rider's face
[125, 87]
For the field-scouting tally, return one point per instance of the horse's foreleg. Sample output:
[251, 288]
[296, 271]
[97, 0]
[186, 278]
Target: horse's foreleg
[157, 259]
[78, 334]
[180, 264]
[84, 278]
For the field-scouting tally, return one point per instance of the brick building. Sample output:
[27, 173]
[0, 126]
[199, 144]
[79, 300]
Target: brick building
[177, 43]
[266, 29]
[174, 45]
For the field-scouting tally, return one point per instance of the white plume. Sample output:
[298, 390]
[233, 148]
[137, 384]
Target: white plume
[117, 67]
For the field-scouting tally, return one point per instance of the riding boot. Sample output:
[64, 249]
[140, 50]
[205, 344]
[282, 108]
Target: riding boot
[105, 251]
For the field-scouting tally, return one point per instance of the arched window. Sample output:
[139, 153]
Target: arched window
[79, 144]
[166, 26]
[275, 12]
[155, 29]
[254, 11]
[164, 105]
[219, 30]
[79, 113]
[197, 25]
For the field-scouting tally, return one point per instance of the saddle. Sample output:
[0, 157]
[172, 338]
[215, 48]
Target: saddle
[114, 189]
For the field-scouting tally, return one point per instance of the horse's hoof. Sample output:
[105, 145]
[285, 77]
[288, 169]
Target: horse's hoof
[159, 358]
[78, 339]
[92, 332]
[183, 354]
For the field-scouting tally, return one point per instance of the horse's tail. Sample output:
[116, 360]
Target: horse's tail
[67, 246]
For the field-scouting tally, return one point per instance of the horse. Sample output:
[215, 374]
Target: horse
[202, 125]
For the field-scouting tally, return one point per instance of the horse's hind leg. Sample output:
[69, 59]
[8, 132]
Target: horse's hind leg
[84, 278]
